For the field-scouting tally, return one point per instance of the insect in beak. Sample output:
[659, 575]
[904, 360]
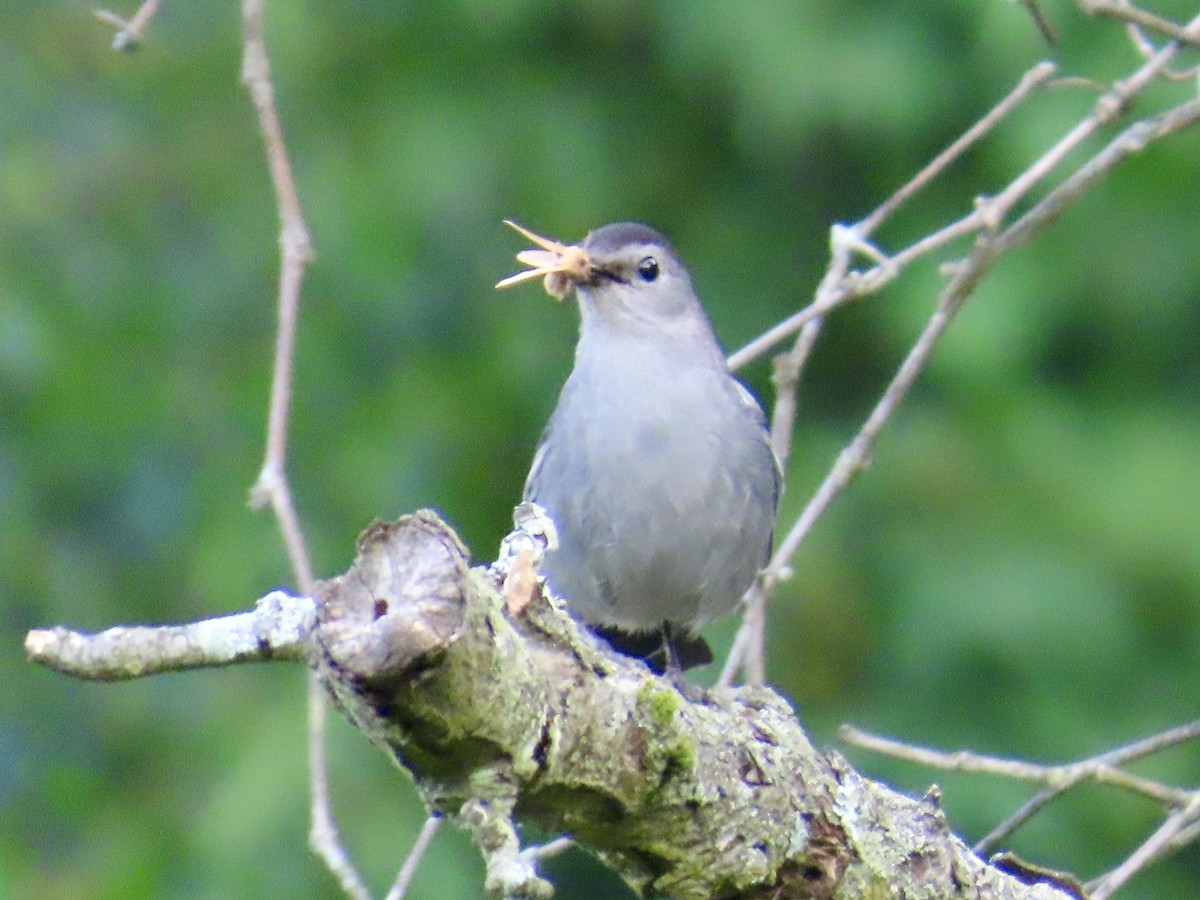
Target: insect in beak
[560, 265]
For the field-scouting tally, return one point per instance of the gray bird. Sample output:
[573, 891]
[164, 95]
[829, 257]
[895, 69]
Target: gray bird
[656, 467]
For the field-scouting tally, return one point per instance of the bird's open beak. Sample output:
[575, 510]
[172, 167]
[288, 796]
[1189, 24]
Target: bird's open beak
[560, 265]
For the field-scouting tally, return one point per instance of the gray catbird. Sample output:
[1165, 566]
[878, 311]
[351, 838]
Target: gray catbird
[655, 468]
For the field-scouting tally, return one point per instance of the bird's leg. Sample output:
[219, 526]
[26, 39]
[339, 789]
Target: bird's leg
[683, 650]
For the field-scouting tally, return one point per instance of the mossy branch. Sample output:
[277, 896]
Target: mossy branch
[504, 712]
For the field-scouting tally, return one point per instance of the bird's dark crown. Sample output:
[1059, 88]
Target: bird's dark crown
[608, 239]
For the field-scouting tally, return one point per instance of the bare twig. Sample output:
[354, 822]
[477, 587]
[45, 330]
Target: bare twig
[1063, 777]
[776, 333]
[1181, 825]
[415, 855]
[988, 215]
[548, 849]
[840, 285]
[1133, 140]
[857, 454]
[747, 652]
[1033, 79]
[1127, 12]
[1116, 757]
[131, 32]
[1042, 21]
[786, 378]
[323, 837]
[1108, 108]
[1019, 817]
[837, 290]
[1147, 48]
[1164, 839]
[276, 629]
[1163, 740]
[272, 486]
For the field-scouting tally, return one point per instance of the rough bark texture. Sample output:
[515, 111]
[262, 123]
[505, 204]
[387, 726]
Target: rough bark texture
[503, 713]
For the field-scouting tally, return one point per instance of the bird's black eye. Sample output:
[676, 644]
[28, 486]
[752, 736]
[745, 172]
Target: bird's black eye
[647, 269]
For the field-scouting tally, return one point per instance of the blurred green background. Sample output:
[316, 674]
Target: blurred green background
[1018, 573]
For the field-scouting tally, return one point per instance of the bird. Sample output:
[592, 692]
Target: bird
[656, 467]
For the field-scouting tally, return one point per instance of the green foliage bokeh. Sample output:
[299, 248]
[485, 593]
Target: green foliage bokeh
[1017, 573]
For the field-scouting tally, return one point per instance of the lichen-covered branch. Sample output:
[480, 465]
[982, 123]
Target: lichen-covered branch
[505, 713]
[278, 627]
[498, 706]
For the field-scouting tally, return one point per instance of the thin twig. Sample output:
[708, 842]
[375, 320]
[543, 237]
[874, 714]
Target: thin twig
[1116, 757]
[130, 33]
[1153, 848]
[1042, 21]
[1129, 142]
[415, 855]
[748, 649]
[272, 486]
[773, 335]
[548, 849]
[276, 629]
[1182, 839]
[839, 286]
[1099, 769]
[1147, 49]
[748, 631]
[323, 837]
[1030, 81]
[856, 456]
[1181, 825]
[1127, 12]
[747, 652]
[1173, 737]
[989, 214]
[296, 250]
[786, 378]
[1111, 105]
[837, 291]
[1019, 817]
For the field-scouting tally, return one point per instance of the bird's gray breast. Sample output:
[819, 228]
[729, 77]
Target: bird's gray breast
[662, 487]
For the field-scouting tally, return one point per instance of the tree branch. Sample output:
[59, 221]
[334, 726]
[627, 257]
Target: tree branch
[496, 705]
[276, 629]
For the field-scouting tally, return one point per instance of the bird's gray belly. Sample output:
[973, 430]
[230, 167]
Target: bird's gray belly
[654, 524]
